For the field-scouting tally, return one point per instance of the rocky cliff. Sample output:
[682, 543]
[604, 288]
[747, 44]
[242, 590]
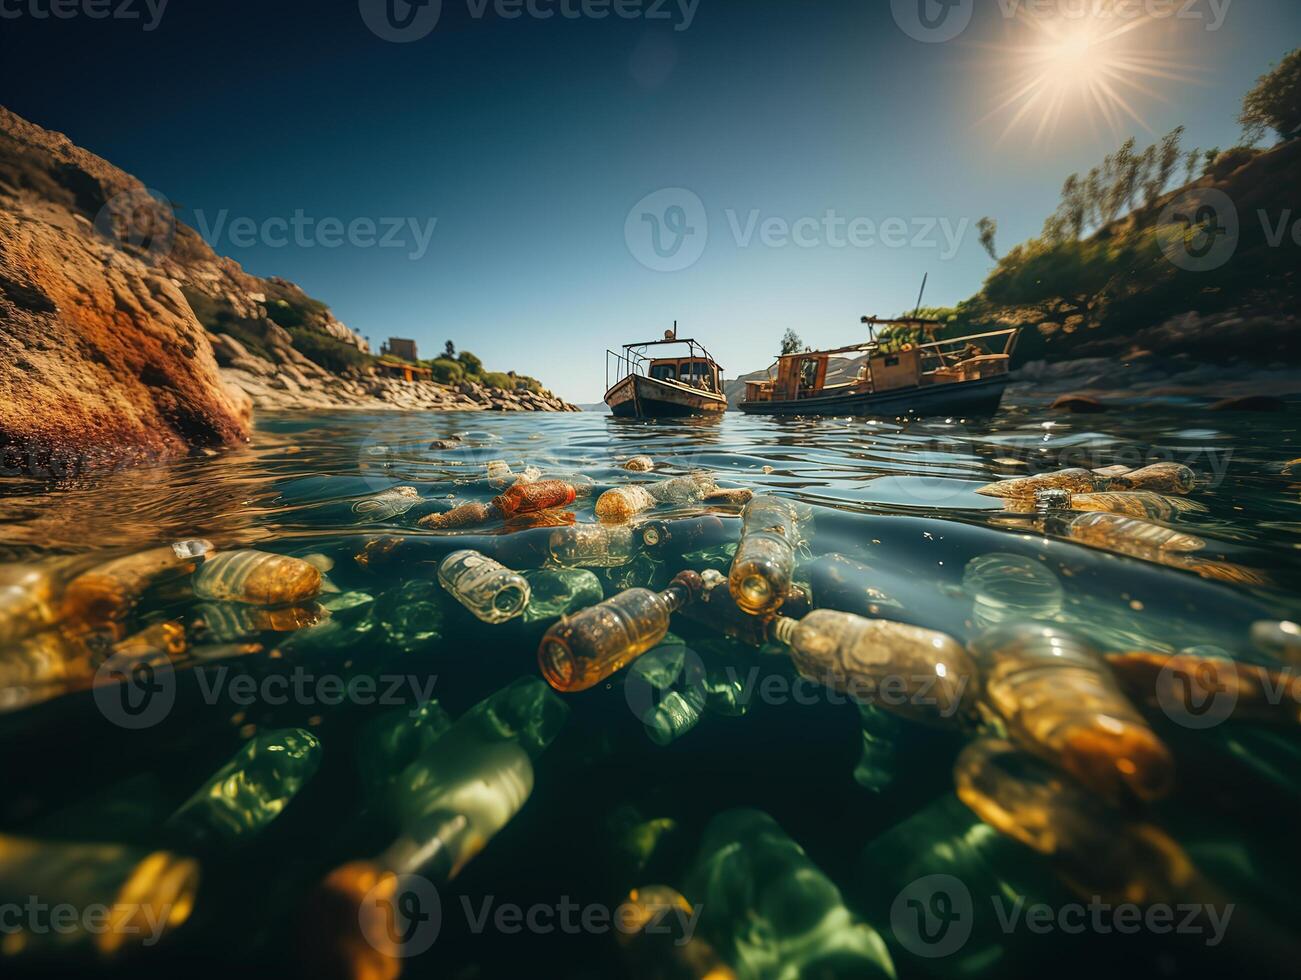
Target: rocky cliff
[124, 336]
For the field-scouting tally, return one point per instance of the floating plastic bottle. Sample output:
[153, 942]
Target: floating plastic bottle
[387, 504]
[26, 601]
[250, 790]
[146, 894]
[1011, 588]
[1058, 700]
[718, 611]
[466, 515]
[771, 912]
[1119, 533]
[519, 500]
[621, 503]
[1073, 480]
[1143, 504]
[584, 649]
[879, 758]
[1095, 849]
[594, 545]
[1162, 477]
[909, 671]
[487, 588]
[666, 539]
[257, 578]
[228, 621]
[1204, 678]
[639, 464]
[498, 469]
[109, 592]
[556, 592]
[655, 935]
[765, 558]
[1280, 639]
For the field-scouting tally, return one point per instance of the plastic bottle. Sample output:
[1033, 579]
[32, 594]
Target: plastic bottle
[1095, 849]
[1118, 533]
[771, 912]
[387, 504]
[248, 792]
[1144, 504]
[909, 671]
[146, 893]
[584, 649]
[1057, 699]
[108, 593]
[718, 611]
[639, 464]
[257, 578]
[466, 515]
[1072, 480]
[621, 503]
[765, 558]
[228, 621]
[487, 588]
[653, 932]
[668, 539]
[594, 545]
[1007, 587]
[519, 500]
[1162, 477]
[1202, 676]
[26, 601]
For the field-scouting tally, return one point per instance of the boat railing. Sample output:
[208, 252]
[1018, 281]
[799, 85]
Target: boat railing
[941, 354]
[620, 365]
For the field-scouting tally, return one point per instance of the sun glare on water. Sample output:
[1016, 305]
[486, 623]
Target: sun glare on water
[1094, 65]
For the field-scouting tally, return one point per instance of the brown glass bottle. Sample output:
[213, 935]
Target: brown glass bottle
[584, 649]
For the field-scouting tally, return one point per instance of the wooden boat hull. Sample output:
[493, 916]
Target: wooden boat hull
[645, 398]
[965, 398]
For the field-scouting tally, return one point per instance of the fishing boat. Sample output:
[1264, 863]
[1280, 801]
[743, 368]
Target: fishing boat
[961, 376]
[663, 384]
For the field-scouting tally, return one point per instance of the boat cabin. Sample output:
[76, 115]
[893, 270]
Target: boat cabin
[695, 372]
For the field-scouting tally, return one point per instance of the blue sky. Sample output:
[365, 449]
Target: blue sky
[531, 140]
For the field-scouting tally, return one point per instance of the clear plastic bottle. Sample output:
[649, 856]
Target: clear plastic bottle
[772, 912]
[556, 592]
[487, 588]
[1057, 699]
[1095, 849]
[621, 503]
[657, 943]
[594, 545]
[639, 464]
[1162, 477]
[1072, 480]
[257, 578]
[765, 558]
[109, 592]
[1119, 533]
[242, 797]
[1143, 504]
[387, 504]
[146, 893]
[1007, 587]
[584, 649]
[26, 601]
[909, 671]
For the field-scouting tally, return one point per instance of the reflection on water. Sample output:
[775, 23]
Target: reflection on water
[351, 496]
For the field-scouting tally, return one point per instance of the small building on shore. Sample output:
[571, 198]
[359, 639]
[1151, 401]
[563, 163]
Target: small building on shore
[400, 348]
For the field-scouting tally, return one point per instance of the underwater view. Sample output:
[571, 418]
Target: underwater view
[449, 694]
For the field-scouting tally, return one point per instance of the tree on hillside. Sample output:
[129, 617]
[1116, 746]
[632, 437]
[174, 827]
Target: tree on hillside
[449, 350]
[988, 235]
[472, 365]
[791, 342]
[1275, 102]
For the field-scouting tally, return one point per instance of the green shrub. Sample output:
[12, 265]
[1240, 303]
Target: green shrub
[218, 316]
[332, 354]
[496, 379]
[472, 365]
[446, 371]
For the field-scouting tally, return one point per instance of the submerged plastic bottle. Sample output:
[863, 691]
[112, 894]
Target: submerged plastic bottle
[248, 792]
[26, 601]
[1007, 587]
[584, 649]
[771, 912]
[654, 933]
[107, 593]
[556, 592]
[257, 578]
[594, 545]
[765, 558]
[665, 539]
[1058, 700]
[1118, 533]
[228, 621]
[1095, 849]
[909, 671]
[1144, 504]
[387, 504]
[1072, 480]
[487, 588]
[718, 611]
[1162, 477]
[146, 894]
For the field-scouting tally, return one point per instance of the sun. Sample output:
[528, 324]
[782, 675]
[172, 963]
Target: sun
[1095, 65]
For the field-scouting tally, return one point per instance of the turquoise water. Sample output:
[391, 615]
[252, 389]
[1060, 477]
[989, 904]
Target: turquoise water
[897, 498]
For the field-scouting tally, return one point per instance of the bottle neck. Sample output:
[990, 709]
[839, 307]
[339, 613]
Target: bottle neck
[683, 590]
[783, 629]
